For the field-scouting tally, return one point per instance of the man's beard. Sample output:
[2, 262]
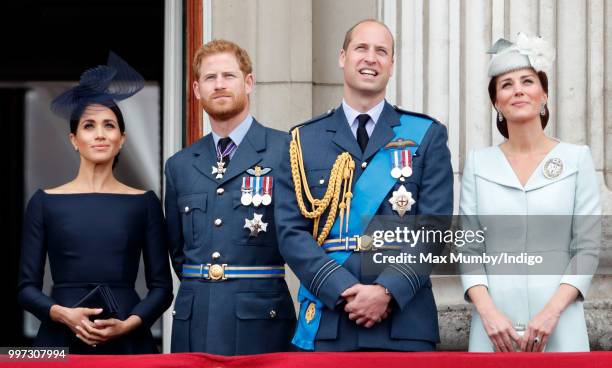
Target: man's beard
[226, 111]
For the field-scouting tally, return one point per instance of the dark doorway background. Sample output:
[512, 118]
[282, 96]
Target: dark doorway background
[56, 40]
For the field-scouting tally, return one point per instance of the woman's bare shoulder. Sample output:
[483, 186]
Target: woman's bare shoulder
[126, 189]
[62, 189]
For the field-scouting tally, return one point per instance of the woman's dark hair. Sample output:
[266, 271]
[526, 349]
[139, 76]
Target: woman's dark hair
[502, 126]
[74, 124]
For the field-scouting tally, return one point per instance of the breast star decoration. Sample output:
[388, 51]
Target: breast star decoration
[401, 201]
[255, 225]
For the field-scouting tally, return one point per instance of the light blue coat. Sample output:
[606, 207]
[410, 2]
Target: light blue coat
[490, 187]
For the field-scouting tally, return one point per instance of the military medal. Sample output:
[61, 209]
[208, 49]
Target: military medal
[401, 201]
[256, 193]
[552, 168]
[266, 199]
[406, 163]
[255, 225]
[401, 161]
[396, 171]
[406, 171]
[220, 168]
[257, 189]
[247, 189]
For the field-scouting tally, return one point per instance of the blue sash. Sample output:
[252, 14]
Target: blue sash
[369, 192]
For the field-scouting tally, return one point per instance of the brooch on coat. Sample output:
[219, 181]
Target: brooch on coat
[552, 168]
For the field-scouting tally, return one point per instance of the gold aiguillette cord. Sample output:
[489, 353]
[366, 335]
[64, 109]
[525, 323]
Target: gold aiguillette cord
[339, 183]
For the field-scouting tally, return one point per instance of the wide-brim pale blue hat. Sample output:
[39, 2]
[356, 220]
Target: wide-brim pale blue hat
[526, 52]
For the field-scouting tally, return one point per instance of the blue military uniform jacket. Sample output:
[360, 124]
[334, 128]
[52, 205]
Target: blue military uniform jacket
[205, 216]
[412, 325]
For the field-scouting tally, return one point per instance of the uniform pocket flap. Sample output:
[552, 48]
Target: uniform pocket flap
[264, 306]
[183, 305]
[318, 177]
[189, 202]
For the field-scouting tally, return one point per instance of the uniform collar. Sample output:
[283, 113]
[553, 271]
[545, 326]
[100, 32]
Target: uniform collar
[351, 114]
[381, 135]
[239, 132]
[247, 154]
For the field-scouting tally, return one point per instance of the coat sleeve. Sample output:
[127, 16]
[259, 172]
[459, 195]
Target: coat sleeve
[319, 273]
[434, 211]
[157, 268]
[173, 222]
[471, 274]
[586, 227]
[32, 263]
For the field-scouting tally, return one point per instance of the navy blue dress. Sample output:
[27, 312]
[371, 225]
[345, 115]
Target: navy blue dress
[91, 239]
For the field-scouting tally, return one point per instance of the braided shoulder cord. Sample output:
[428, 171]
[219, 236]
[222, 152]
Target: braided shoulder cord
[340, 182]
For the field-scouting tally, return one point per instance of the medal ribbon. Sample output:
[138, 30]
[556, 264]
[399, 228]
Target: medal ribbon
[406, 158]
[246, 183]
[395, 158]
[267, 188]
[257, 185]
[231, 147]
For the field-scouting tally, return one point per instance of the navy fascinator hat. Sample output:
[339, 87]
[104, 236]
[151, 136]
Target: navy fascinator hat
[104, 84]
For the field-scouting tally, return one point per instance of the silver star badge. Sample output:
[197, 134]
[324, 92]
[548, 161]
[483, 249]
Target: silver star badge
[401, 201]
[219, 169]
[255, 225]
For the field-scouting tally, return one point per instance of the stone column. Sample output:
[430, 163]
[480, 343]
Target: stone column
[278, 36]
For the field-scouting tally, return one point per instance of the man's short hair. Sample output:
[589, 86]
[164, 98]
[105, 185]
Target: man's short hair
[349, 34]
[220, 46]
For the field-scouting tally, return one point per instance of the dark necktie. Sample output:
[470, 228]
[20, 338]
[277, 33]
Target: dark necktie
[224, 149]
[362, 133]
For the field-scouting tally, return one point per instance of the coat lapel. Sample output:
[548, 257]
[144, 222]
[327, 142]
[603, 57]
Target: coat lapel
[205, 156]
[248, 152]
[383, 131]
[570, 166]
[494, 167]
[343, 136]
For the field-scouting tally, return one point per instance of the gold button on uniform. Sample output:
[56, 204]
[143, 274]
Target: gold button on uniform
[364, 165]
[218, 222]
[272, 313]
[220, 191]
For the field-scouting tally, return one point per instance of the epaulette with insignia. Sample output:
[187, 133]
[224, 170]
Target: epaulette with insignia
[421, 115]
[315, 119]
